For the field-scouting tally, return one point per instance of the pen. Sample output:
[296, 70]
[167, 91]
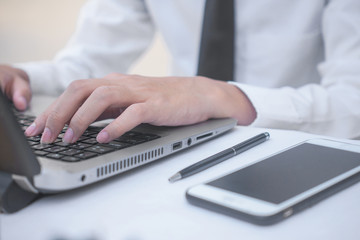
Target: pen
[220, 157]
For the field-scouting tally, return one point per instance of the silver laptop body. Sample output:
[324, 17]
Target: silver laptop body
[44, 175]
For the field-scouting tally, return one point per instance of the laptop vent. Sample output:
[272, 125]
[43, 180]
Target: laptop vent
[128, 163]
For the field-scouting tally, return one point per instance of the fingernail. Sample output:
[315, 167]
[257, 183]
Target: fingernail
[103, 137]
[30, 130]
[68, 136]
[46, 136]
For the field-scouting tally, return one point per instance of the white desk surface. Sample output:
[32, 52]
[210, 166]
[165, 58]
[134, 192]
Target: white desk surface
[142, 204]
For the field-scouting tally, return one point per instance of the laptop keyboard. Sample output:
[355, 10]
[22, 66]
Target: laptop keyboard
[85, 148]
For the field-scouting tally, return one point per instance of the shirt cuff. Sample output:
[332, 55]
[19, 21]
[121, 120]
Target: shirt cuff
[274, 107]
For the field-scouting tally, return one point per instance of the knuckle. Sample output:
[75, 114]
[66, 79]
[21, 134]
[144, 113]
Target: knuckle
[113, 75]
[102, 93]
[138, 111]
[78, 85]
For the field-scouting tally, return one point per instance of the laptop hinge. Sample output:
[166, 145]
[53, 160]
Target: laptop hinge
[24, 183]
[12, 196]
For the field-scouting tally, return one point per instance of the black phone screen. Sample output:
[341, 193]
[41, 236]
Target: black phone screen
[287, 174]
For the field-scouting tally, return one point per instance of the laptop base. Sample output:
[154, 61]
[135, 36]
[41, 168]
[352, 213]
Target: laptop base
[13, 197]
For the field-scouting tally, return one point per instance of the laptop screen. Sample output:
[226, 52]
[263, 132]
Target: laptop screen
[16, 156]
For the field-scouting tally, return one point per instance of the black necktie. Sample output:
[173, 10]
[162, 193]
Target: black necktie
[216, 56]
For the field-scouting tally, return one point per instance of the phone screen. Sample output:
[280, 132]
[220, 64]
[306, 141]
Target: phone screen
[287, 174]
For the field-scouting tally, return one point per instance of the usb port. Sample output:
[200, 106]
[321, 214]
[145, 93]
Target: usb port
[176, 146]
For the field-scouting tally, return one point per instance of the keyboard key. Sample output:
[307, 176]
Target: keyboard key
[80, 145]
[86, 155]
[41, 146]
[19, 116]
[62, 144]
[40, 153]
[32, 143]
[70, 159]
[131, 141]
[71, 152]
[25, 122]
[55, 149]
[91, 141]
[149, 136]
[93, 135]
[89, 132]
[99, 149]
[24, 117]
[54, 155]
[94, 129]
[131, 134]
[116, 145]
[34, 139]
[82, 138]
[61, 135]
[30, 118]
[64, 129]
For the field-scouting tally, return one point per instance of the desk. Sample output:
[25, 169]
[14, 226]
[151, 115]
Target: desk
[142, 204]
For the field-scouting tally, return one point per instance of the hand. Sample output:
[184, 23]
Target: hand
[132, 100]
[15, 84]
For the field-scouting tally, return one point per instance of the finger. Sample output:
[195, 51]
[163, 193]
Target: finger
[21, 93]
[38, 125]
[133, 116]
[97, 103]
[64, 108]
[16, 88]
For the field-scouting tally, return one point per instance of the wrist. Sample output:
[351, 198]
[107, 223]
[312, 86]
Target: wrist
[244, 110]
[234, 103]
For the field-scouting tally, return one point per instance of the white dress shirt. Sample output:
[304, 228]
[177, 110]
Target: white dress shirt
[297, 61]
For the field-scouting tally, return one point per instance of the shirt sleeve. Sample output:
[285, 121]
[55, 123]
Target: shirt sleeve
[109, 37]
[332, 106]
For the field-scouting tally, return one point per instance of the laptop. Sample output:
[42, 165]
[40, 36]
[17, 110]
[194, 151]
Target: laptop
[52, 168]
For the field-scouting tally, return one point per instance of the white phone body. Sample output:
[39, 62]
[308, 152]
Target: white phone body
[218, 195]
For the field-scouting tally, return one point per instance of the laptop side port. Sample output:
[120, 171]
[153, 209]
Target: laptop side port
[204, 136]
[177, 146]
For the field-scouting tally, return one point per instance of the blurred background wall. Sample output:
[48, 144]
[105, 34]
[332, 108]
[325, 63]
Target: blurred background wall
[33, 30]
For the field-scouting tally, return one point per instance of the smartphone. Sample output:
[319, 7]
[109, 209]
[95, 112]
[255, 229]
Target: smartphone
[282, 184]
